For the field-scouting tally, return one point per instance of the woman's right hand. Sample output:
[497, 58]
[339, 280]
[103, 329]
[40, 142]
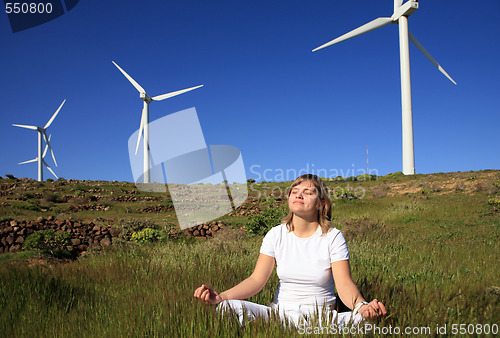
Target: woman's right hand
[207, 295]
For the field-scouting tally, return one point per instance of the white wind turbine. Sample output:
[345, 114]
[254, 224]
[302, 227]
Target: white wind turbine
[145, 117]
[42, 135]
[400, 16]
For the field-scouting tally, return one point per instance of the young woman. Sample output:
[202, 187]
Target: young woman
[310, 255]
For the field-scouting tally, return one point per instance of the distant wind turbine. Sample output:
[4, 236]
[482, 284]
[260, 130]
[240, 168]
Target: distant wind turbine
[145, 116]
[400, 16]
[42, 135]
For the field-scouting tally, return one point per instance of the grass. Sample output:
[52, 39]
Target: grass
[433, 260]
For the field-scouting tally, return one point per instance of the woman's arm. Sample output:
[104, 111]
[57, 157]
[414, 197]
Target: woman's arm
[349, 293]
[247, 288]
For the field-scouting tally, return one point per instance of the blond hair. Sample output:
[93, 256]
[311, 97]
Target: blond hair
[324, 213]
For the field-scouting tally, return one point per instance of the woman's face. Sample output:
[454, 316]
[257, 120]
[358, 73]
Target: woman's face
[304, 200]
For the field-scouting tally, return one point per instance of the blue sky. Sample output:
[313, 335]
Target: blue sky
[287, 109]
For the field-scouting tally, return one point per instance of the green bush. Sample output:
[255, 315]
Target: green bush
[12, 177]
[346, 194]
[50, 242]
[133, 226]
[148, 235]
[495, 203]
[366, 177]
[260, 224]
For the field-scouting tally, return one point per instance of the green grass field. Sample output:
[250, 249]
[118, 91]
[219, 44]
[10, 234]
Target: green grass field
[425, 247]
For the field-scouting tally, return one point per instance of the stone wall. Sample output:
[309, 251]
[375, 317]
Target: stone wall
[84, 235]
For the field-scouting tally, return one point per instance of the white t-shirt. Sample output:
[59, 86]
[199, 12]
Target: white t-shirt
[303, 264]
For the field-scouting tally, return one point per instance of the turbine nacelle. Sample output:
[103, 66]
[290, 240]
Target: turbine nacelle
[145, 97]
[405, 10]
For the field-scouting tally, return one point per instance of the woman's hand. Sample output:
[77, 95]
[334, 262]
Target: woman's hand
[372, 309]
[207, 295]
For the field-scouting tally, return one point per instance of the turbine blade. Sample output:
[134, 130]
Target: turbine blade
[46, 147]
[426, 53]
[54, 116]
[166, 96]
[53, 173]
[24, 126]
[397, 4]
[50, 148]
[141, 128]
[33, 160]
[377, 23]
[132, 81]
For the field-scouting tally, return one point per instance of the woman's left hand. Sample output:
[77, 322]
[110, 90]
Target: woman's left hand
[372, 309]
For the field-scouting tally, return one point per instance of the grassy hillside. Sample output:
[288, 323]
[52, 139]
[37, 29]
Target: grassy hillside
[425, 245]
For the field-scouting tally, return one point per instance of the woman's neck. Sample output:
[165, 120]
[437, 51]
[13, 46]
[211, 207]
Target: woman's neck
[303, 227]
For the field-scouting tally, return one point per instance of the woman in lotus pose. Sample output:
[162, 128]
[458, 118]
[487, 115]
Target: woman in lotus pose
[310, 255]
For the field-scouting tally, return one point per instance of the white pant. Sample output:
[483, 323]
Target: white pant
[293, 313]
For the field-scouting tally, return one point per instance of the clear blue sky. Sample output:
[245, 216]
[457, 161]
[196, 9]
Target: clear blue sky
[264, 92]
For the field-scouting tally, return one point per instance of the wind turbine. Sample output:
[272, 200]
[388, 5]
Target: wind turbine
[145, 116]
[400, 17]
[42, 135]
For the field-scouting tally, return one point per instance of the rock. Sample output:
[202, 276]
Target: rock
[114, 232]
[39, 219]
[19, 240]
[50, 218]
[10, 239]
[13, 223]
[105, 242]
[76, 242]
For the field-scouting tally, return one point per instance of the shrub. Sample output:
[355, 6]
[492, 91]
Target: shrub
[366, 177]
[51, 197]
[147, 235]
[260, 224]
[12, 177]
[495, 203]
[425, 191]
[50, 242]
[344, 193]
[251, 180]
[129, 227]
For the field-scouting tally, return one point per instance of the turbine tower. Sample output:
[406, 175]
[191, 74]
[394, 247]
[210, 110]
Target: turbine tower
[400, 17]
[144, 127]
[42, 135]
